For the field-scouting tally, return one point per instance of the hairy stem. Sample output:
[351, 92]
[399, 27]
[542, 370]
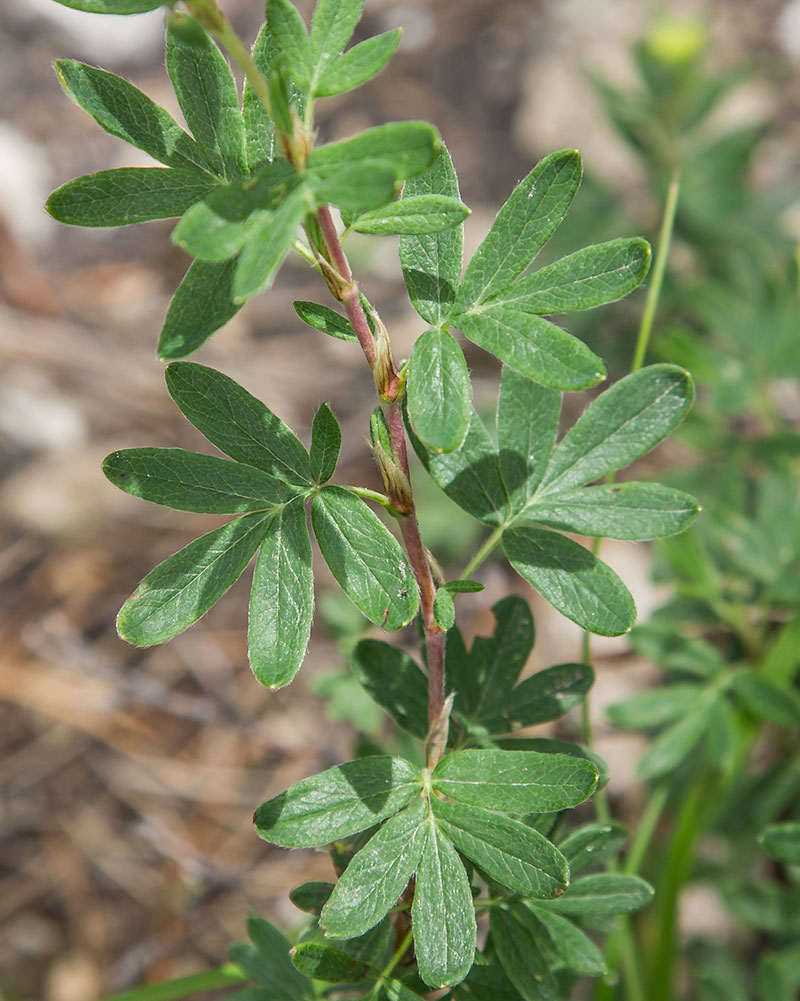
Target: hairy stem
[486, 549]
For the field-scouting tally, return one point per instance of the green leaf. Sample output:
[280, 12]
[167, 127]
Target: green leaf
[363, 62]
[291, 39]
[764, 905]
[575, 949]
[268, 244]
[545, 696]
[602, 895]
[520, 955]
[217, 227]
[325, 319]
[592, 844]
[622, 424]
[365, 558]
[356, 187]
[506, 850]
[338, 803]
[533, 346]
[191, 481]
[470, 475]
[767, 700]
[413, 216]
[522, 227]
[202, 303]
[311, 896]
[207, 95]
[268, 963]
[527, 423]
[410, 148]
[114, 6]
[484, 678]
[632, 511]
[128, 195]
[326, 443]
[572, 579]
[332, 27]
[237, 423]
[442, 915]
[655, 707]
[464, 586]
[372, 883]
[395, 682]
[548, 745]
[431, 262]
[782, 841]
[282, 598]
[487, 981]
[590, 277]
[260, 145]
[321, 962]
[515, 781]
[183, 588]
[671, 746]
[438, 390]
[444, 611]
[125, 112]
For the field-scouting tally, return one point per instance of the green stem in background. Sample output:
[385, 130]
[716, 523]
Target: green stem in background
[185, 987]
[659, 268]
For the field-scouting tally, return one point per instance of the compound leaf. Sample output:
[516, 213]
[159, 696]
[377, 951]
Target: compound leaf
[587, 278]
[332, 27]
[533, 346]
[520, 956]
[622, 424]
[356, 187]
[364, 557]
[409, 147]
[326, 443]
[592, 844]
[114, 6]
[217, 227]
[575, 949]
[338, 803]
[206, 92]
[442, 915]
[572, 579]
[413, 215]
[268, 244]
[395, 682]
[782, 841]
[237, 423]
[545, 696]
[439, 392]
[515, 781]
[470, 475]
[484, 678]
[267, 961]
[125, 112]
[291, 39]
[522, 227]
[128, 195]
[191, 481]
[655, 707]
[431, 262]
[631, 511]
[527, 423]
[259, 131]
[202, 303]
[182, 589]
[282, 598]
[372, 883]
[508, 851]
[602, 895]
[321, 962]
[671, 746]
[360, 64]
[325, 319]
[767, 700]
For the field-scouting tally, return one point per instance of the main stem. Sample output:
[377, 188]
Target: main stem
[387, 379]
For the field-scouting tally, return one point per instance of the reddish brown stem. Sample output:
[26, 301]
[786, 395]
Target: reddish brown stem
[345, 288]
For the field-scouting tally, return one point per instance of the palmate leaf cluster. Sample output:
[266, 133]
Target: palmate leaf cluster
[479, 830]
